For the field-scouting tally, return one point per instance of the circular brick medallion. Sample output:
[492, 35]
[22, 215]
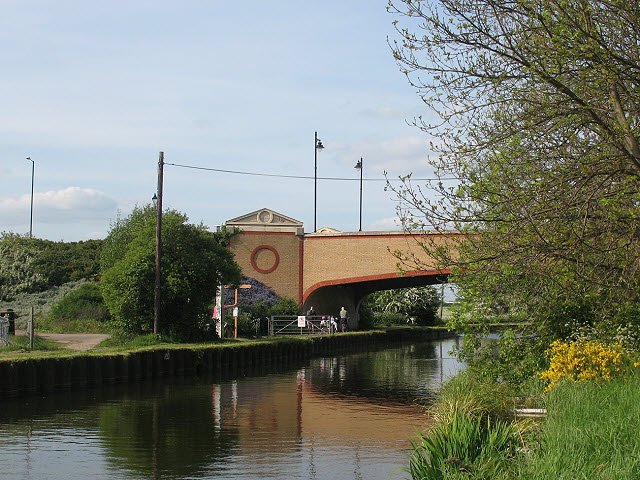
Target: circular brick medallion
[265, 259]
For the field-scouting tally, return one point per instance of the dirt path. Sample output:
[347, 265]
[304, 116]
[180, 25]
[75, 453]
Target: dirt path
[73, 341]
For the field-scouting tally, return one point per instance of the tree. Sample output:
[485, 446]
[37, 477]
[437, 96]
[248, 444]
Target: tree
[420, 303]
[18, 273]
[539, 124]
[194, 263]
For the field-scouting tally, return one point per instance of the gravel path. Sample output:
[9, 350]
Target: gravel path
[73, 341]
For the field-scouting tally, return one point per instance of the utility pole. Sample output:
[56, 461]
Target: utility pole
[156, 296]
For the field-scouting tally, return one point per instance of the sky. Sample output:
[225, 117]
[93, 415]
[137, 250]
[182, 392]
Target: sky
[93, 91]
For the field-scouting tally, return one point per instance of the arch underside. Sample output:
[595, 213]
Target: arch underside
[328, 297]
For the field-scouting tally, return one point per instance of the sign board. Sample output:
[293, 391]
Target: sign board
[302, 321]
[235, 311]
[218, 313]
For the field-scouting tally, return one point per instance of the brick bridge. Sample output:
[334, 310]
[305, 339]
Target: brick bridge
[327, 269]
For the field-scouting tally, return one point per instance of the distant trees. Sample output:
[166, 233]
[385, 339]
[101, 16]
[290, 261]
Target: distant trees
[194, 262]
[30, 265]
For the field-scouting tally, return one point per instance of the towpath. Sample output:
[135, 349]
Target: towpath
[73, 341]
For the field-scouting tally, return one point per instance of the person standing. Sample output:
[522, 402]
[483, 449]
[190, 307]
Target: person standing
[311, 312]
[344, 317]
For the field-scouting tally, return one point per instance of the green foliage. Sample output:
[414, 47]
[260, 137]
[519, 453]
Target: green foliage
[388, 319]
[541, 131]
[194, 263]
[30, 265]
[463, 447]
[417, 303]
[512, 355]
[63, 262]
[286, 306]
[80, 311]
[18, 272]
[475, 394]
[40, 301]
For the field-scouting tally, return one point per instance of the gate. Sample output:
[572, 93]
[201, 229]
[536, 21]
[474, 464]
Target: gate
[291, 325]
[4, 331]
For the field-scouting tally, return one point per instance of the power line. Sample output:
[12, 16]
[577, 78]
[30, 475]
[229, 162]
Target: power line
[258, 174]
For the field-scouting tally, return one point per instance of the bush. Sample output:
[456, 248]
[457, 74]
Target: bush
[587, 360]
[81, 310]
[418, 303]
[389, 319]
[194, 263]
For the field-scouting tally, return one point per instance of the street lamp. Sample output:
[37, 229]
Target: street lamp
[33, 169]
[318, 147]
[359, 167]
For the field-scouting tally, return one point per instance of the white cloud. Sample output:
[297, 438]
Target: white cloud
[68, 205]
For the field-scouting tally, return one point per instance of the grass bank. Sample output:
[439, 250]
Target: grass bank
[590, 432]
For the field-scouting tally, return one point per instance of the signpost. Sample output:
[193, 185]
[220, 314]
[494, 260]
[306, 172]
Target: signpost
[235, 309]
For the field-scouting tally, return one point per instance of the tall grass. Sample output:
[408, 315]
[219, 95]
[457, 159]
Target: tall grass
[474, 434]
[592, 432]
[464, 447]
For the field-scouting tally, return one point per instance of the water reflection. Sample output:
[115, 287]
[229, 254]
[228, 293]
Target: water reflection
[334, 417]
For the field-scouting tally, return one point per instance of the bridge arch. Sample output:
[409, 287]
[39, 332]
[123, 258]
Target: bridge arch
[330, 295]
[328, 269]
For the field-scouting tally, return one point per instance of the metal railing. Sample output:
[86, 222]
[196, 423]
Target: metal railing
[4, 331]
[300, 325]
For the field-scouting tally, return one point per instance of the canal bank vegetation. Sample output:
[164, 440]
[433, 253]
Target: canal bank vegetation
[587, 423]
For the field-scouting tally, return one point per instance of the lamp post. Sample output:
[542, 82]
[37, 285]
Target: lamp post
[359, 167]
[317, 146]
[33, 169]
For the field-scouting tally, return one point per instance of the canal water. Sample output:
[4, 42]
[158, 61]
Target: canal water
[339, 417]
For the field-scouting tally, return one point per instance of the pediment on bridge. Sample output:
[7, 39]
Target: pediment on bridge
[328, 230]
[266, 220]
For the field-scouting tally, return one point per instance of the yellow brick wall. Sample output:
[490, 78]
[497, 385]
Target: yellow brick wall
[284, 279]
[340, 257]
[325, 258]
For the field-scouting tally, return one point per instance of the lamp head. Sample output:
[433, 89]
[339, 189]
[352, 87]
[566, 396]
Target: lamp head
[319, 145]
[358, 165]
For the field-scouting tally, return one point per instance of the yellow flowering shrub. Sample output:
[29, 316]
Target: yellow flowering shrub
[586, 360]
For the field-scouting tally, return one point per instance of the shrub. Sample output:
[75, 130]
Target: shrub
[81, 310]
[587, 360]
[389, 319]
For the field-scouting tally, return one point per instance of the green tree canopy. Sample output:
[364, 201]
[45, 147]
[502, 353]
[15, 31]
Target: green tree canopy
[420, 303]
[539, 103]
[194, 263]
